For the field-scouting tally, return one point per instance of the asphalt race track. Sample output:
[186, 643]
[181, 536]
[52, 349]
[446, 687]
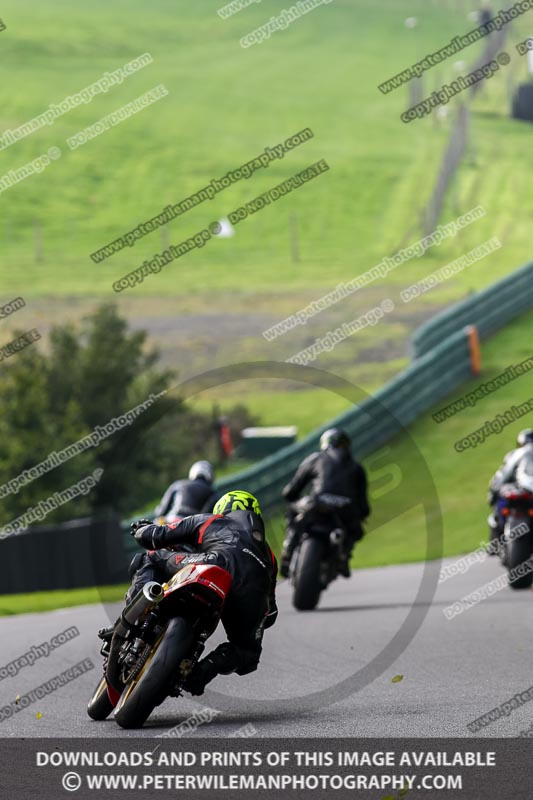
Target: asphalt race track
[453, 670]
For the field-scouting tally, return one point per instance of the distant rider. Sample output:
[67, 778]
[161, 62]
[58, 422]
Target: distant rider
[193, 495]
[507, 474]
[233, 537]
[333, 471]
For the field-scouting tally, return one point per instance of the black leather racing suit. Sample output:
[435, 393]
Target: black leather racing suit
[186, 497]
[331, 471]
[236, 542]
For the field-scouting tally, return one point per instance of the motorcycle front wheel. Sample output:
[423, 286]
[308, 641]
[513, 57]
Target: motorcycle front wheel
[100, 706]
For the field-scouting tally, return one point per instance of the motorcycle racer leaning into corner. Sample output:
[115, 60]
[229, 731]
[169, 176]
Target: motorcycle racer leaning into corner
[332, 470]
[506, 474]
[233, 537]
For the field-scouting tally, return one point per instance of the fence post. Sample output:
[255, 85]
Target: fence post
[295, 245]
[37, 241]
[474, 349]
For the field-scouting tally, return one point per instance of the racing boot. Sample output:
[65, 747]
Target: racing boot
[202, 674]
[224, 660]
[493, 547]
[291, 540]
[343, 566]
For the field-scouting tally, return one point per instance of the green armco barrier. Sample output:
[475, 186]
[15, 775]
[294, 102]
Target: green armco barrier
[489, 310]
[372, 423]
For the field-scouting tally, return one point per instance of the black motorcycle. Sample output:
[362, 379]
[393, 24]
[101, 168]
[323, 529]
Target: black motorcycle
[320, 549]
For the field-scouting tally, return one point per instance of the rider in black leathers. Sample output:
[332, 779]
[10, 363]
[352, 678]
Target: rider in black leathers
[233, 537]
[333, 471]
[194, 495]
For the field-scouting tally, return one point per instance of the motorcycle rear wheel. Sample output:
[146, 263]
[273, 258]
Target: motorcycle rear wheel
[516, 552]
[307, 575]
[154, 682]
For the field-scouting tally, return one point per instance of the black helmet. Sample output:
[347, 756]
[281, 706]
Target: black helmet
[525, 437]
[335, 438]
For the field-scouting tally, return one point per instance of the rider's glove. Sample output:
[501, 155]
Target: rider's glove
[139, 532]
[139, 524]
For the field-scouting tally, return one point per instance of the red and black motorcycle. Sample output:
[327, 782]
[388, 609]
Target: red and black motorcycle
[515, 507]
[158, 639]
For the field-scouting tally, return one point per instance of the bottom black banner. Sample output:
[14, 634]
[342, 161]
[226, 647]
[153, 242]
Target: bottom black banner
[377, 769]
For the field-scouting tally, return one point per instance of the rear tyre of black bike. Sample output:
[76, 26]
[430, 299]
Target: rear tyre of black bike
[307, 575]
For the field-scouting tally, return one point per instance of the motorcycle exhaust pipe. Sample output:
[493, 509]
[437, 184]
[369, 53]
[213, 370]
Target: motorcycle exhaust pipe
[147, 597]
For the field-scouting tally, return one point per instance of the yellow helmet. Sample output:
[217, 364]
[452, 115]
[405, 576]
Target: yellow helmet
[237, 500]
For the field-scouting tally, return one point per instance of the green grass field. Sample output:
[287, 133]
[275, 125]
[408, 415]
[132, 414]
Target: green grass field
[35, 602]
[226, 104]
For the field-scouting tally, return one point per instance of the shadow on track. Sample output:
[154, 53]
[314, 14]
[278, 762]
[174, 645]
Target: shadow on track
[392, 606]
[228, 722]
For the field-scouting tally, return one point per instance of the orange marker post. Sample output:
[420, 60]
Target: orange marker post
[475, 349]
